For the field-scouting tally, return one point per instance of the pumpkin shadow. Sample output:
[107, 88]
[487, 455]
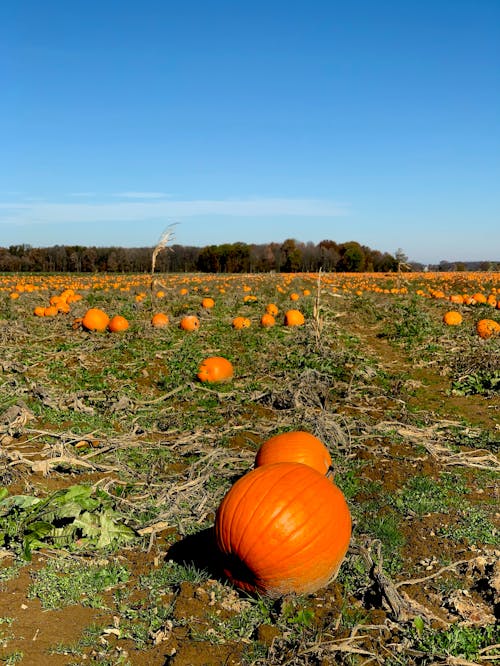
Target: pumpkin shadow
[198, 550]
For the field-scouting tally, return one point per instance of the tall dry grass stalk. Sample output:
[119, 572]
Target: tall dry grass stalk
[402, 267]
[317, 321]
[166, 237]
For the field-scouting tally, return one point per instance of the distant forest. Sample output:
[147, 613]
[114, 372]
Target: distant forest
[291, 256]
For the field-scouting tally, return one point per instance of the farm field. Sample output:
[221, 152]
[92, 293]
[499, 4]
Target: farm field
[114, 457]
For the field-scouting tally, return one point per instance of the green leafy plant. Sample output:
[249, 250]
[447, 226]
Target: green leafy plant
[477, 383]
[72, 518]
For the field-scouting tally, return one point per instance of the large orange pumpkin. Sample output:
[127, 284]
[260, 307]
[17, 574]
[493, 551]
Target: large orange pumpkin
[294, 318]
[295, 446]
[215, 369]
[282, 528]
[95, 320]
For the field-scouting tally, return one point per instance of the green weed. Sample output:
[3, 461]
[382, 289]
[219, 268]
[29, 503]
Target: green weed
[458, 641]
[67, 582]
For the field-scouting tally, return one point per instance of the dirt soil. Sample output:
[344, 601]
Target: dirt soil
[390, 463]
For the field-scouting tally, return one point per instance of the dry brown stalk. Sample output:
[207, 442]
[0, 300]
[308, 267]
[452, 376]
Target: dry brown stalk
[317, 321]
[162, 244]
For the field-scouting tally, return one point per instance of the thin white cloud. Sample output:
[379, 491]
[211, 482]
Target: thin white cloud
[82, 194]
[141, 195]
[28, 213]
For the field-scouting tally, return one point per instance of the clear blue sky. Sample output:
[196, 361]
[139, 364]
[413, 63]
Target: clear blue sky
[254, 121]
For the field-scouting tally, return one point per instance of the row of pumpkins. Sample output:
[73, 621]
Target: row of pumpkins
[96, 319]
[284, 527]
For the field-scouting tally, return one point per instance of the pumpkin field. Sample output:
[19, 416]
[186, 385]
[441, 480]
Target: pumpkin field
[141, 517]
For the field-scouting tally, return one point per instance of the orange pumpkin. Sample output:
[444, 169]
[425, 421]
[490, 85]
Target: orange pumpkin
[272, 309]
[240, 322]
[487, 327]
[295, 446]
[118, 324]
[95, 320]
[294, 318]
[189, 323]
[159, 320]
[39, 311]
[207, 303]
[282, 528]
[267, 320]
[215, 369]
[452, 318]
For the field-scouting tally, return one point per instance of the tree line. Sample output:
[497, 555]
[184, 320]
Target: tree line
[290, 256]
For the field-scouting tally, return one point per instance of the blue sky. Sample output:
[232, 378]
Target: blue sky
[369, 120]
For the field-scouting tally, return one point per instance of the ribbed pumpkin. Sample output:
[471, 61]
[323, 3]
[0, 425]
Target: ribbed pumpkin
[487, 327]
[189, 323]
[294, 318]
[215, 369]
[295, 446]
[95, 320]
[118, 324]
[282, 528]
[452, 318]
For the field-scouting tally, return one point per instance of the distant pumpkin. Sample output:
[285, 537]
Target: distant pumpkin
[452, 318]
[95, 320]
[207, 303]
[294, 318]
[118, 324]
[159, 320]
[487, 327]
[215, 369]
[272, 309]
[267, 320]
[240, 322]
[189, 323]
